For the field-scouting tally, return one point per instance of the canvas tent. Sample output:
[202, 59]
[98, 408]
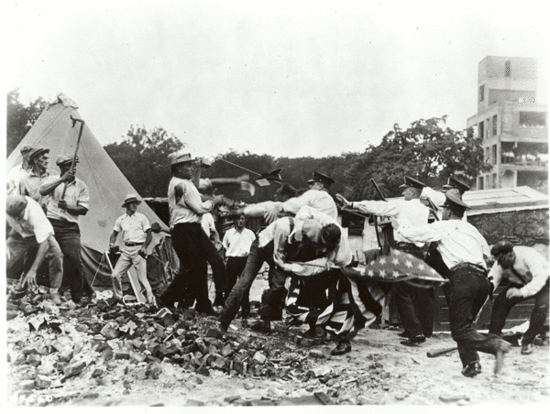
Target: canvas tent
[106, 184]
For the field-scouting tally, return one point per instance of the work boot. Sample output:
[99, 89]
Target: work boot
[315, 332]
[414, 340]
[404, 334]
[17, 293]
[527, 349]
[472, 369]
[503, 348]
[344, 346]
[54, 296]
[261, 326]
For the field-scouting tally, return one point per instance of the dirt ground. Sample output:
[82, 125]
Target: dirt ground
[378, 371]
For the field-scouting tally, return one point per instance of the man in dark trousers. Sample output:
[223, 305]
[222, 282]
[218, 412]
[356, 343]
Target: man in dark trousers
[463, 250]
[237, 242]
[188, 237]
[29, 229]
[68, 200]
[415, 305]
[528, 278]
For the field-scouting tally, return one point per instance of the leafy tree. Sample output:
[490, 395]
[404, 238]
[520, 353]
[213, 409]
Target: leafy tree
[143, 158]
[20, 118]
[428, 150]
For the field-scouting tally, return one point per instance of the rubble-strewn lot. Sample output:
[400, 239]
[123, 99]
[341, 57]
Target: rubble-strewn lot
[110, 354]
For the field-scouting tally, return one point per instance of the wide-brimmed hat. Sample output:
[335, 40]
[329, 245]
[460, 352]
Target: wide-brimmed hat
[177, 159]
[15, 204]
[26, 149]
[131, 198]
[66, 159]
[36, 152]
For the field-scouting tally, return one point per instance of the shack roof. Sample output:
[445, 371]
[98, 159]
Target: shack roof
[499, 200]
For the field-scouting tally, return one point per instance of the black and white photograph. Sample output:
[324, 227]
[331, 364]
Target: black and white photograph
[212, 205]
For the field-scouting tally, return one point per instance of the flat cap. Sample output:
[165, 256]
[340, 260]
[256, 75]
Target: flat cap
[66, 159]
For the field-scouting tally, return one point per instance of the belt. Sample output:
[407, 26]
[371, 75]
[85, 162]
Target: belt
[130, 244]
[405, 244]
[469, 266]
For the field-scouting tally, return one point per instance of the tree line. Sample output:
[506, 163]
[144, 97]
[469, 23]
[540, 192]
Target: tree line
[427, 149]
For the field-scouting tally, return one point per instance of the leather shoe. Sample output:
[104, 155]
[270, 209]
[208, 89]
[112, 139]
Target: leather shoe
[503, 348]
[527, 349]
[261, 326]
[343, 348]
[315, 332]
[471, 370]
[404, 334]
[415, 340]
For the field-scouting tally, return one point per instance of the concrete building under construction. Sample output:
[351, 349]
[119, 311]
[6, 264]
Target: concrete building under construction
[512, 124]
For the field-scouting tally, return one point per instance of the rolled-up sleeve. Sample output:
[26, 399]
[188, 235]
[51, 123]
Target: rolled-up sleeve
[41, 226]
[192, 200]
[540, 275]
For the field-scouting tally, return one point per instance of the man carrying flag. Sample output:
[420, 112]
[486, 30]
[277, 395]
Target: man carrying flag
[415, 306]
[463, 249]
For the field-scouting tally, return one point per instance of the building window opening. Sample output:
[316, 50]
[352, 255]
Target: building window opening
[480, 129]
[494, 157]
[507, 69]
[481, 93]
[532, 120]
[494, 125]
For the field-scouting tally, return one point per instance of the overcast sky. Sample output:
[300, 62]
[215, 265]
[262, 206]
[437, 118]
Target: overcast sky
[292, 79]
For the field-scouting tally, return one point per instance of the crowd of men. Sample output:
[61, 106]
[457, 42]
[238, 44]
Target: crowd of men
[305, 247]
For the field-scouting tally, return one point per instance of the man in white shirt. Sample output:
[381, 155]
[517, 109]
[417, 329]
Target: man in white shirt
[188, 237]
[237, 242]
[415, 305]
[29, 229]
[67, 199]
[16, 174]
[135, 232]
[463, 250]
[453, 187]
[316, 197]
[270, 247]
[38, 173]
[527, 272]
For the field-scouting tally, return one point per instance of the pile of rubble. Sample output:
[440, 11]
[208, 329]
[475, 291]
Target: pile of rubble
[50, 345]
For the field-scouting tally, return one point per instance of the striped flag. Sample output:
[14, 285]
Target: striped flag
[397, 266]
[360, 293]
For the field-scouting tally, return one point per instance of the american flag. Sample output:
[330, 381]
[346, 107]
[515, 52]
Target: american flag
[397, 266]
[361, 292]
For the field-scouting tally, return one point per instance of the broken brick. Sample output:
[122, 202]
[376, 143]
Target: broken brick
[74, 369]
[42, 382]
[121, 354]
